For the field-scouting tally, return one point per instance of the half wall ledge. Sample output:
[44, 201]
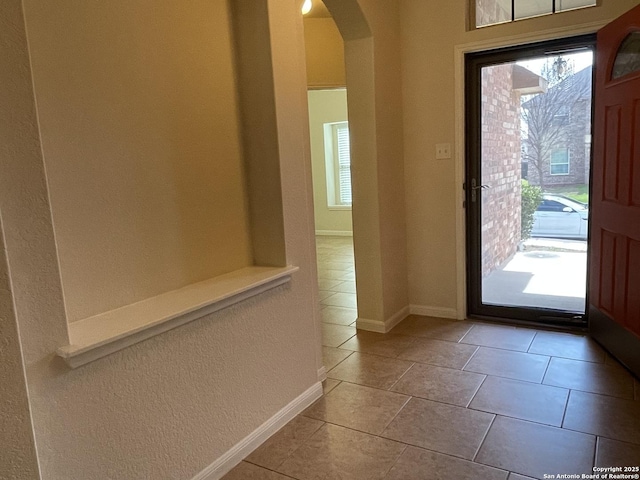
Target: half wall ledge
[101, 335]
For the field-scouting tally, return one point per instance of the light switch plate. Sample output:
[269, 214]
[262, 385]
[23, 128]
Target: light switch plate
[443, 150]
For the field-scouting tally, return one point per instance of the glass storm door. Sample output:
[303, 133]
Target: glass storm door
[527, 182]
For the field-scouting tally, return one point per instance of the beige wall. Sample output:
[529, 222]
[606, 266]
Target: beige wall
[430, 101]
[140, 135]
[170, 406]
[325, 106]
[17, 448]
[324, 52]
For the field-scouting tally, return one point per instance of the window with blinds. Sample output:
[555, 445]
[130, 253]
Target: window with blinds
[338, 163]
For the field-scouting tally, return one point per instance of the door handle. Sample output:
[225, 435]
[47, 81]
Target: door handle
[475, 187]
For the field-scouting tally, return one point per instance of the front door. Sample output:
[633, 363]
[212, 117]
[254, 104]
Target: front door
[614, 293]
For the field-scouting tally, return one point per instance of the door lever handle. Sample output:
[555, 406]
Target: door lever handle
[475, 187]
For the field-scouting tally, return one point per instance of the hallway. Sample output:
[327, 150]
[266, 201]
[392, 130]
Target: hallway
[444, 399]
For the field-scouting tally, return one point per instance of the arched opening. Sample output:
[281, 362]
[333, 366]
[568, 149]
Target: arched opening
[359, 81]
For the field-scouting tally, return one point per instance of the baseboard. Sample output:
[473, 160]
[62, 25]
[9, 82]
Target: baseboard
[380, 326]
[238, 452]
[334, 233]
[438, 312]
[322, 374]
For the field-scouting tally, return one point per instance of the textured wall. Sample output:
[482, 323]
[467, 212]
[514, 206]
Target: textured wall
[325, 106]
[140, 135]
[168, 407]
[17, 448]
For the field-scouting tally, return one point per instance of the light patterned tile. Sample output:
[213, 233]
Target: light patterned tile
[439, 384]
[347, 300]
[322, 294]
[589, 377]
[329, 384]
[451, 330]
[286, 441]
[360, 408]
[335, 335]
[611, 453]
[499, 336]
[339, 315]
[610, 417]
[328, 284]
[567, 345]
[438, 352]
[418, 464]
[387, 345]
[248, 471]
[370, 370]
[523, 400]
[340, 453]
[345, 287]
[439, 427]
[509, 364]
[332, 356]
[535, 450]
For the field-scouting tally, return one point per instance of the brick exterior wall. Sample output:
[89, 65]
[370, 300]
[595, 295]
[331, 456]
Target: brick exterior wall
[501, 166]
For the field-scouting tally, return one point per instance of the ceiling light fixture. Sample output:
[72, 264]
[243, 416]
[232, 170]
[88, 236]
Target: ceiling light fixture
[306, 7]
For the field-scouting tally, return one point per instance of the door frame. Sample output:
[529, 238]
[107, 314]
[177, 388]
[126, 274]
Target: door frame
[473, 163]
[460, 52]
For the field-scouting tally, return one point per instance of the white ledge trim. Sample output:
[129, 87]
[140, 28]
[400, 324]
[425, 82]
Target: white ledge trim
[95, 337]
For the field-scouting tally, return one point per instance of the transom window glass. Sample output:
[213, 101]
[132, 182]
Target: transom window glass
[491, 12]
[559, 163]
[338, 163]
[628, 57]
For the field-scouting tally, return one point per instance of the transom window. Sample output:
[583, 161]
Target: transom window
[491, 12]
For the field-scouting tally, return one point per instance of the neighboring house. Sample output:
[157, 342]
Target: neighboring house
[557, 133]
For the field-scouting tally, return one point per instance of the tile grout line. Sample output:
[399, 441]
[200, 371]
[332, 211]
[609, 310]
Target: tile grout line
[484, 439]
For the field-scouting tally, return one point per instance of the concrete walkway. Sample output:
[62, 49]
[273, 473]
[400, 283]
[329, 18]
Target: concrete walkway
[550, 273]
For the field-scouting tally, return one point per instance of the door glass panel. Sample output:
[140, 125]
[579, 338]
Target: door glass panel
[535, 124]
[628, 57]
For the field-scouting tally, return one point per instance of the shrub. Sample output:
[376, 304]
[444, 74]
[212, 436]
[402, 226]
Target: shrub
[531, 198]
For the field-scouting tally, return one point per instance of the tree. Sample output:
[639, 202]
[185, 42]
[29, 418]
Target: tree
[546, 117]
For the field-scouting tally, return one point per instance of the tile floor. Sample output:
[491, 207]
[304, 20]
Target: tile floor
[440, 399]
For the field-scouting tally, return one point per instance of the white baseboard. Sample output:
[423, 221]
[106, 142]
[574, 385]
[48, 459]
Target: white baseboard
[379, 326]
[439, 312]
[322, 374]
[334, 233]
[239, 451]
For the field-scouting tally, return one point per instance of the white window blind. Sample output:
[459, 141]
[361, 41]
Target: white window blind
[338, 165]
[344, 164]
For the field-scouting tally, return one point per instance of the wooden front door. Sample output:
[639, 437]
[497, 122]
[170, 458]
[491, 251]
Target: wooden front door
[614, 292]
